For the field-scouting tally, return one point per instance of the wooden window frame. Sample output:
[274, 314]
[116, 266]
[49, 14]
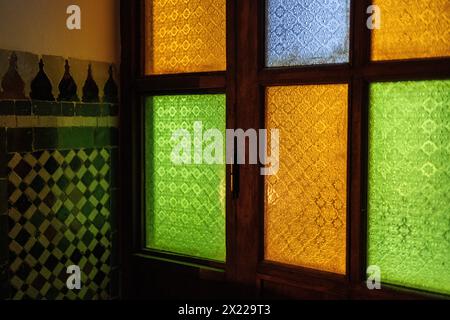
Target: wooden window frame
[244, 83]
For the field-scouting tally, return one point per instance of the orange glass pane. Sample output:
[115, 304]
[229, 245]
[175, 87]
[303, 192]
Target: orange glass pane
[412, 29]
[305, 202]
[185, 36]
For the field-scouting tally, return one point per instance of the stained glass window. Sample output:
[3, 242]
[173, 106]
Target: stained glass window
[307, 32]
[305, 202]
[185, 203]
[185, 36]
[409, 183]
[412, 29]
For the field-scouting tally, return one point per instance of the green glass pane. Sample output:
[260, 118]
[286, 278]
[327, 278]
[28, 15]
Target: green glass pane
[185, 203]
[409, 184]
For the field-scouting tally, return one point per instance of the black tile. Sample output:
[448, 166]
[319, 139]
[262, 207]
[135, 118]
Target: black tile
[51, 263]
[99, 221]
[98, 164]
[19, 139]
[22, 237]
[23, 203]
[37, 250]
[76, 256]
[37, 184]
[50, 200]
[7, 108]
[39, 281]
[75, 164]
[51, 165]
[88, 109]
[37, 219]
[23, 108]
[22, 169]
[87, 238]
[99, 192]
[99, 277]
[52, 294]
[3, 196]
[45, 138]
[46, 108]
[99, 250]
[87, 178]
[68, 109]
[63, 244]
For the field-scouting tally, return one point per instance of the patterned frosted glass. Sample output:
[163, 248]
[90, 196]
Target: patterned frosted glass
[185, 36]
[412, 29]
[306, 32]
[305, 202]
[185, 203]
[409, 183]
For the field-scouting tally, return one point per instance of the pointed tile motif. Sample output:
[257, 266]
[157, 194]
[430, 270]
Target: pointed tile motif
[110, 90]
[12, 84]
[90, 88]
[67, 86]
[41, 87]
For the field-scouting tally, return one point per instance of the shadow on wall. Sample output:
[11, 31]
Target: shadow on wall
[25, 73]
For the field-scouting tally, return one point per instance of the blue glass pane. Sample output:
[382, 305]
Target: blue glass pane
[306, 32]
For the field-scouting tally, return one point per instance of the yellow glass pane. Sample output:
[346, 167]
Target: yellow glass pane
[305, 202]
[185, 36]
[412, 29]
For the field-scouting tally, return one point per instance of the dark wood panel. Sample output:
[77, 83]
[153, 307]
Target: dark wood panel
[312, 280]
[247, 95]
[165, 280]
[128, 24]
[232, 170]
[273, 290]
[406, 70]
[181, 82]
[312, 74]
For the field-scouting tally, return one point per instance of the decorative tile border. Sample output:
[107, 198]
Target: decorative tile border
[61, 84]
[36, 139]
[46, 122]
[54, 106]
[57, 109]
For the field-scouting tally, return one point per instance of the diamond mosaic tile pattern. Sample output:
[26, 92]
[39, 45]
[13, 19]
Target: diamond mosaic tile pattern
[185, 36]
[409, 183]
[59, 216]
[412, 29]
[305, 202]
[307, 32]
[185, 202]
